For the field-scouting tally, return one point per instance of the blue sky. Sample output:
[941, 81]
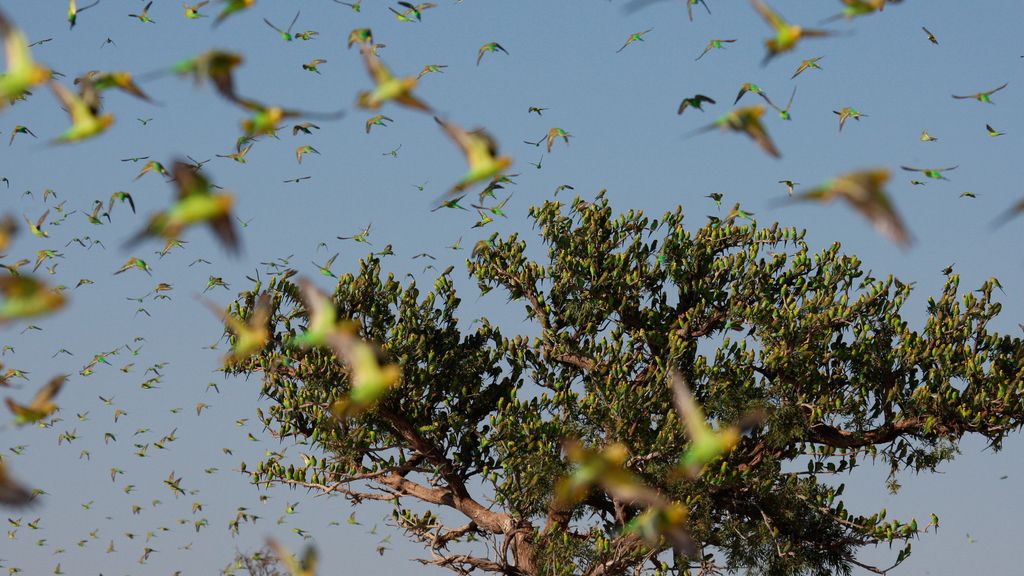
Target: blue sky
[620, 109]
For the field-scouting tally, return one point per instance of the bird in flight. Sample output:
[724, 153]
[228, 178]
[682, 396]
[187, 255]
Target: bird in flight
[694, 102]
[481, 153]
[982, 96]
[864, 191]
[634, 37]
[748, 121]
[489, 47]
[786, 35]
[714, 44]
[286, 35]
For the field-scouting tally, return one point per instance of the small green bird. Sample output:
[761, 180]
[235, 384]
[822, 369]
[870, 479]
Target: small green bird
[37, 228]
[195, 204]
[855, 8]
[144, 17]
[216, 65]
[303, 150]
[789, 185]
[489, 47]
[783, 112]
[153, 166]
[325, 268]
[481, 151]
[313, 65]
[25, 297]
[286, 35]
[307, 566]
[864, 191]
[992, 131]
[931, 37]
[84, 121]
[982, 96]
[74, 11]
[362, 237]
[233, 7]
[362, 36]
[713, 44]
[690, 4]
[748, 121]
[377, 120]
[926, 137]
[22, 72]
[556, 133]
[432, 69]
[388, 87]
[694, 102]
[19, 129]
[192, 11]
[786, 35]
[935, 173]
[41, 406]
[747, 87]
[134, 262]
[535, 109]
[847, 113]
[705, 445]
[634, 37]
[356, 6]
[805, 64]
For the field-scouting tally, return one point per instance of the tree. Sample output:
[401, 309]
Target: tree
[753, 319]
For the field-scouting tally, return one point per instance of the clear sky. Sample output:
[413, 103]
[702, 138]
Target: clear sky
[626, 137]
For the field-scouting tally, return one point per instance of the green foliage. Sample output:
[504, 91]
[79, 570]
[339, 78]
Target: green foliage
[750, 315]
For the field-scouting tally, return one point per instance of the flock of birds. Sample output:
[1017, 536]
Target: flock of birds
[200, 202]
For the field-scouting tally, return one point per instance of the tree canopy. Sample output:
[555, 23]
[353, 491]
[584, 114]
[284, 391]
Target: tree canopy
[468, 448]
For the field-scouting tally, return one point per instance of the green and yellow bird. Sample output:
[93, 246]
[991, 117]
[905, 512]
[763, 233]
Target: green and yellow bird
[286, 35]
[634, 37]
[22, 72]
[714, 44]
[431, 69]
[42, 404]
[481, 151]
[217, 65]
[992, 131]
[864, 190]
[786, 35]
[74, 11]
[233, 7]
[805, 64]
[555, 134]
[377, 120]
[982, 96]
[356, 6]
[388, 86]
[25, 297]
[746, 120]
[307, 566]
[195, 204]
[489, 47]
[144, 17]
[19, 129]
[846, 113]
[783, 112]
[303, 150]
[134, 262]
[314, 65]
[250, 334]
[155, 167]
[935, 173]
[37, 227]
[926, 137]
[266, 120]
[192, 10]
[690, 4]
[855, 8]
[747, 87]
[705, 445]
[85, 123]
[361, 36]
[107, 80]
